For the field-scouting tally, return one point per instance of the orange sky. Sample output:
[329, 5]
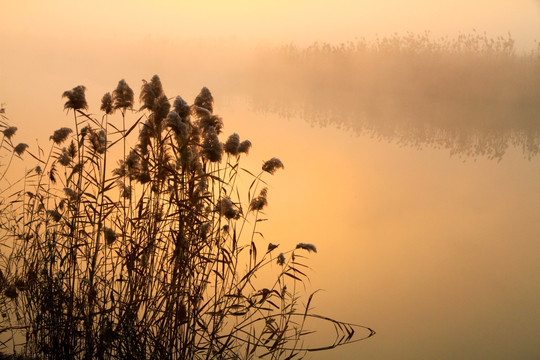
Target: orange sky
[276, 20]
[51, 46]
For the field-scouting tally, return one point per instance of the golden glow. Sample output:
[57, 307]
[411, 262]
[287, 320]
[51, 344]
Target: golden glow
[276, 20]
[440, 256]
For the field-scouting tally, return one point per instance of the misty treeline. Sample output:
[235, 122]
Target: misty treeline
[472, 94]
[150, 251]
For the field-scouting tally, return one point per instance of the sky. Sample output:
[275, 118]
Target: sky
[51, 46]
[274, 21]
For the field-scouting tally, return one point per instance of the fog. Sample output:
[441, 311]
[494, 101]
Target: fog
[472, 95]
[409, 131]
[48, 47]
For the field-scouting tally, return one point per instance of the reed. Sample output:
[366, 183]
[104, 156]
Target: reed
[154, 256]
[472, 94]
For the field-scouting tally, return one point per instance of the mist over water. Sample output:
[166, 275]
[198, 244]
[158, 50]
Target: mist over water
[438, 253]
[472, 95]
[414, 169]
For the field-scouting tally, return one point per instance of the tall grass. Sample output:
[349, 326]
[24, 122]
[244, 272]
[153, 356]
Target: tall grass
[154, 256]
[473, 95]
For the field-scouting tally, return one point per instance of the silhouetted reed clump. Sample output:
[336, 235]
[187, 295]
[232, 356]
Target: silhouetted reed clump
[156, 259]
[473, 94]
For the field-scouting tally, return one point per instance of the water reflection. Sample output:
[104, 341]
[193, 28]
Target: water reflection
[473, 95]
[435, 254]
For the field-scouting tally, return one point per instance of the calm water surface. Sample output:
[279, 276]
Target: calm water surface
[438, 253]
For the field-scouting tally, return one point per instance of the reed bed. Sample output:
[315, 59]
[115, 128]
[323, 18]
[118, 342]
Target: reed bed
[153, 256]
[473, 95]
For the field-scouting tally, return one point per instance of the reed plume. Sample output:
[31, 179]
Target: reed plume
[232, 144]
[260, 201]
[150, 91]
[122, 96]
[205, 100]
[272, 165]
[60, 135]
[9, 132]
[20, 148]
[107, 104]
[181, 107]
[212, 149]
[308, 247]
[244, 147]
[76, 98]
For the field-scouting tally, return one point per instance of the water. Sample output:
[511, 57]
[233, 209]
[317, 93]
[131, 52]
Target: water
[437, 253]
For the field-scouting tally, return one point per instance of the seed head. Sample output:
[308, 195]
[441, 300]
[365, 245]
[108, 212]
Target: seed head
[11, 292]
[207, 120]
[181, 107]
[20, 284]
[120, 171]
[232, 144]
[150, 91]
[107, 103]
[77, 168]
[131, 165]
[20, 148]
[204, 229]
[64, 158]
[84, 131]
[175, 122]
[76, 98]
[144, 177]
[144, 139]
[244, 147]
[260, 201]
[272, 165]
[56, 216]
[122, 96]
[9, 131]
[227, 209]
[281, 259]
[60, 135]
[272, 247]
[72, 149]
[52, 174]
[70, 193]
[98, 141]
[205, 99]
[161, 108]
[212, 149]
[155, 83]
[125, 190]
[110, 236]
[308, 247]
